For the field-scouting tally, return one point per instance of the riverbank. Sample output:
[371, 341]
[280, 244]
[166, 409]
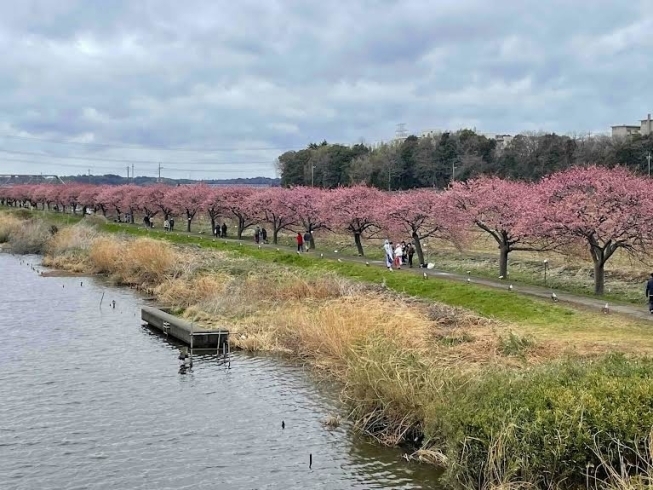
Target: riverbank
[534, 394]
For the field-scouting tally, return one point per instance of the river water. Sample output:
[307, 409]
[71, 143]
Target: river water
[90, 399]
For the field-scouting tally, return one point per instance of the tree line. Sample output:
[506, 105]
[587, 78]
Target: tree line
[595, 209]
[437, 160]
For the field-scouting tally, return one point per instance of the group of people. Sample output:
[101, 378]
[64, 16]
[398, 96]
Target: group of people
[303, 241]
[399, 254]
[261, 235]
[220, 231]
[169, 224]
[148, 222]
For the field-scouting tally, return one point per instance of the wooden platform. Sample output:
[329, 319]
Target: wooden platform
[183, 330]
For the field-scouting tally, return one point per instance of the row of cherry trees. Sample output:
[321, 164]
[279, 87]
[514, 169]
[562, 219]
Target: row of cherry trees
[598, 209]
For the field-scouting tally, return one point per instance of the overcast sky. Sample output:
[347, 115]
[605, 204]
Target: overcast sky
[255, 78]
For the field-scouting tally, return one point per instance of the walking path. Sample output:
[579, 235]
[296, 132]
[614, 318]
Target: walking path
[536, 291]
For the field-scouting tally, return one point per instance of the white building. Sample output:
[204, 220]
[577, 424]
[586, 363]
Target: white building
[644, 128]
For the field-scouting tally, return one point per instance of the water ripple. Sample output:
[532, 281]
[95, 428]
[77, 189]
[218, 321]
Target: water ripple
[92, 400]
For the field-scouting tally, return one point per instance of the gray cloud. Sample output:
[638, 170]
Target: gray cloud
[249, 75]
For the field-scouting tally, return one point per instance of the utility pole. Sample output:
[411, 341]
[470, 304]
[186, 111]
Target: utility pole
[312, 174]
[127, 172]
[648, 159]
[453, 171]
[159, 172]
[133, 174]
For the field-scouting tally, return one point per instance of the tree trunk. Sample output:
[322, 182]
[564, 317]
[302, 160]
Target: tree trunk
[189, 220]
[418, 249]
[311, 243]
[241, 228]
[275, 235]
[359, 245]
[503, 261]
[599, 277]
[212, 225]
[131, 216]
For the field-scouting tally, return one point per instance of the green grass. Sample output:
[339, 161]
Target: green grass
[502, 305]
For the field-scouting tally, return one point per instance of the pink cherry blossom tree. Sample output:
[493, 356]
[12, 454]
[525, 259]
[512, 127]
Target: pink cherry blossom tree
[271, 206]
[41, 194]
[147, 202]
[497, 207]
[422, 213]
[234, 202]
[188, 200]
[213, 206]
[354, 210]
[603, 209]
[57, 196]
[109, 197]
[88, 198]
[158, 195]
[129, 196]
[307, 204]
[70, 195]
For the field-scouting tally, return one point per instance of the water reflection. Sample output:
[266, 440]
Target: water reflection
[90, 399]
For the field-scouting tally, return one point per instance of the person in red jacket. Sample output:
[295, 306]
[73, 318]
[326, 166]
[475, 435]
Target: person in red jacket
[300, 242]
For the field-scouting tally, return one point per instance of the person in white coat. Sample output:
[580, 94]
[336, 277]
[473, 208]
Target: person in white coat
[389, 254]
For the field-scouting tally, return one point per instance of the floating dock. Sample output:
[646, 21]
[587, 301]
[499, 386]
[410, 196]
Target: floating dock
[183, 330]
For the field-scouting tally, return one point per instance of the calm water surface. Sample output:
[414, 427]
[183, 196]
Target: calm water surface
[89, 399]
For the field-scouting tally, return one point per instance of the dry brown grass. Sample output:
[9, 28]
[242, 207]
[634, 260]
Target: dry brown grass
[8, 224]
[142, 262]
[23, 236]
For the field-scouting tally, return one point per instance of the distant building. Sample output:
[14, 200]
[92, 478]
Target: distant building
[624, 130]
[430, 132]
[645, 128]
[502, 140]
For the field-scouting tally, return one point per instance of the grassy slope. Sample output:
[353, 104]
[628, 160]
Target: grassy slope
[624, 277]
[585, 330]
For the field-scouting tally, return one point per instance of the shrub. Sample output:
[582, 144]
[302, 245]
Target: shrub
[30, 237]
[542, 425]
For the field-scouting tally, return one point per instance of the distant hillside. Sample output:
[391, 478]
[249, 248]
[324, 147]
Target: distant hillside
[111, 179]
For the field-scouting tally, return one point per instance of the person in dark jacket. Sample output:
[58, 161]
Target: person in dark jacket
[224, 230]
[307, 241]
[649, 294]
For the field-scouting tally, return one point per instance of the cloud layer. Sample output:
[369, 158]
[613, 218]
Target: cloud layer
[252, 78]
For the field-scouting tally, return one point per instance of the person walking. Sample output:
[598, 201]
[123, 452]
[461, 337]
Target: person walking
[264, 235]
[398, 254]
[257, 235]
[224, 230]
[300, 242]
[307, 241]
[172, 224]
[649, 294]
[411, 252]
[389, 254]
[166, 225]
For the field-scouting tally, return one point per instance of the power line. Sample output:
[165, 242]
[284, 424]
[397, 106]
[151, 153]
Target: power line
[145, 147]
[115, 169]
[126, 160]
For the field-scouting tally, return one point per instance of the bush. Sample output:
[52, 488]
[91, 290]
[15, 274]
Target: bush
[30, 237]
[542, 425]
